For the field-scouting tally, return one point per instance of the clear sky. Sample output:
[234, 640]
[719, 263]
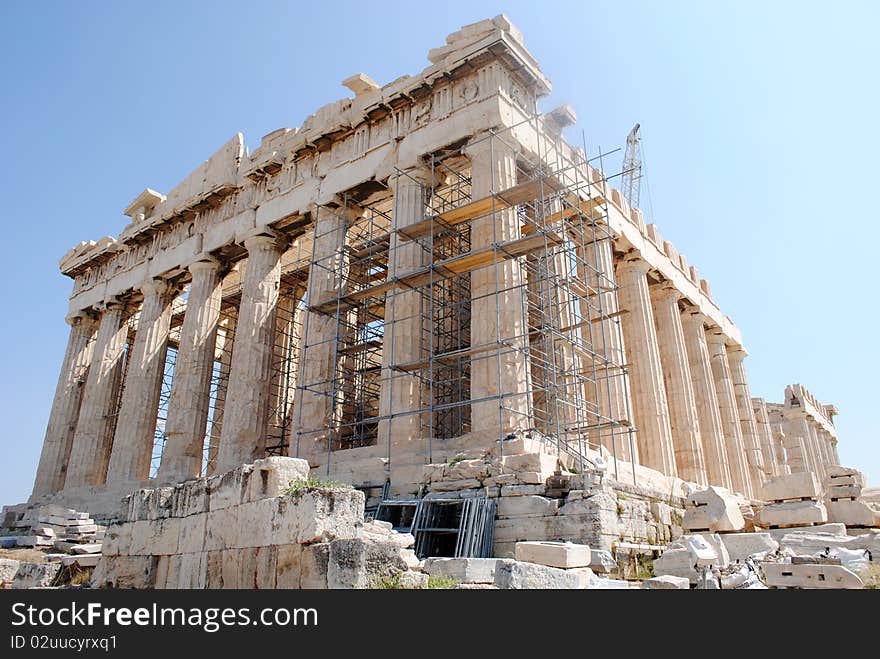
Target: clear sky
[759, 142]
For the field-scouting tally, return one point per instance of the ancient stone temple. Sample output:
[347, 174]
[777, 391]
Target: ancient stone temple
[421, 272]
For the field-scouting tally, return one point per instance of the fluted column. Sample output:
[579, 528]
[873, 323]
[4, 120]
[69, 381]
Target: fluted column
[191, 387]
[498, 310]
[615, 401]
[706, 398]
[136, 429]
[754, 457]
[314, 403]
[796, 451]
[765, 437]
[402, 393]
[733, 441]
[782, 458]
[683, 416]
[656, 449]
[835, 455]
[63, 418]
[223, 355]
[816, 443]
[97, 417]
[246, 416]
[284, 360]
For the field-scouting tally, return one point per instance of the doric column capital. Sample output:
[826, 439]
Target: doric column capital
[159, 286]
[694, 315]
[265, 242]
[715, 336]
[736, 351]
[666, 290]
[633, 262]
[81, 317]
[417, 175]
[205, 263]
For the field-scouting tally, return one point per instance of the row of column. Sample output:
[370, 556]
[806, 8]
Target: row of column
[84, 443]
[811, 447]
[690, 395]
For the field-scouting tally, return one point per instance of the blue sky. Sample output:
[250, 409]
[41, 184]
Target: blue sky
[759, 142]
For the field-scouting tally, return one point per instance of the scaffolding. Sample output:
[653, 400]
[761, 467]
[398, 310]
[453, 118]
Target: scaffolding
[547, 271]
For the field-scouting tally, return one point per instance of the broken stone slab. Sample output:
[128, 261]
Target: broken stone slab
[35, 575]
[853, 513]
[450, 486]
[517, 575]
[553, 554]
[602, 583]
[464, 570]
[788, 575]
[527, 506]
[87, 560]
[412, 580]
[8, 541]
[45, 531]
[602, 562]
[799, 485]
[793, 513]
[34, 541]
[845, 476]
[741, 546]
[87, 548]
[712, 509]
[707, 549]
[666, 582]
[8, 569]
[356, 563]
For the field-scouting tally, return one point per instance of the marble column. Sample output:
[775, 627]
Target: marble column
[63, 418]
[650, 410]
[615, 401]
[796, 437]
[680, 398]
[754, 457]
[733, 440]
[835, 455]
[246, 415]
[816, 447]
[779, 449]
[498, 307]
[190, 398]
[706, 399]
[314, 404]
[97, 416]
[223, 355]
[136, 430]
[284, 361]
[402, 393]
[765, 438]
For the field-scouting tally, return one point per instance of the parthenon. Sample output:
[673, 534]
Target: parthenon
[420, 271]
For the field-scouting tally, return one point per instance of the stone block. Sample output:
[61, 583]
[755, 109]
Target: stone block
[530, 462]
[602, 561]
[793, 513]
[87, 548]
[158, 502]
[845, 476]
[449, 486]
[256, 523]
[190, 498]
[167, 532]
[713, 510]
[467, 469]
[129, 571]
[318, 516]
[271, 476]
[553, 554]
[288, 566]
[516, 575]
[8, 569]
[355, 563]
[228, 489]
[117, 539]
[666, 582]
[853, 513]
[523, 490]
[465, 570]
[192, 570]
[677, 562]
[799, 485]
[527, 506]
[806, 575]
[192, 530]
[35, 575]
[413, 580]
[142, 534]
[843, 491]
[221, 529]
[84, 560]
[742, 545]
[314, 565]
